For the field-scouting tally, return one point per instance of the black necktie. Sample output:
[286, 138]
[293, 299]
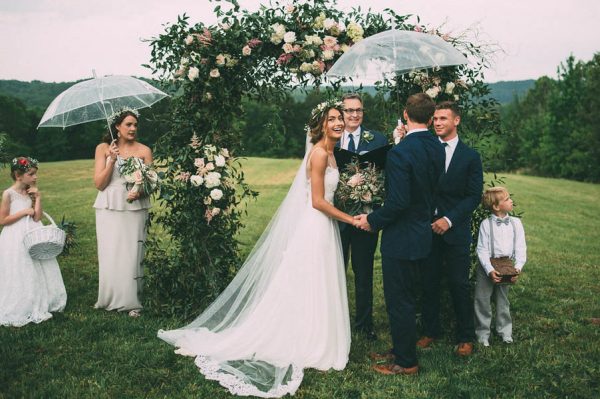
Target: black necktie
[500, 221]
[351, 146]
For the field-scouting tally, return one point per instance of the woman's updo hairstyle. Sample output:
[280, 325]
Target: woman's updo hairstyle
[116, 119]
[318, 116]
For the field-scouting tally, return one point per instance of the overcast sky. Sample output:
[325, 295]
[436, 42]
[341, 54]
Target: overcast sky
[63, 40]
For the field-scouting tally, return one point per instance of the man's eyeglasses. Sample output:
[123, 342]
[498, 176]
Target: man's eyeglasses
[351, 111]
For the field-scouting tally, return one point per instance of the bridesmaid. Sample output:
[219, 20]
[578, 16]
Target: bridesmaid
[120, 225]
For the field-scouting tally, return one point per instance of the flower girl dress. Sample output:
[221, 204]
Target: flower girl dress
[29, 289]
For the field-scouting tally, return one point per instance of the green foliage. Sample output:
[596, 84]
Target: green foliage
[552, 131]
[70, 229]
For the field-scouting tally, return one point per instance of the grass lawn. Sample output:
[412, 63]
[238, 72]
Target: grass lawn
[87, 353]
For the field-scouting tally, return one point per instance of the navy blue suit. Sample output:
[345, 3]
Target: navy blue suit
[360, 246]
[413, 169]
[458, 195]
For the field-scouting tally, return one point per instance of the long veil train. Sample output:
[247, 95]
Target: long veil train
[247, 338]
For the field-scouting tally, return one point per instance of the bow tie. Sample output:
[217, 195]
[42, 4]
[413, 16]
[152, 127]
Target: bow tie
[500, 221]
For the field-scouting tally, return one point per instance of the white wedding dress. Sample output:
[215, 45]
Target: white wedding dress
[286, 309]
[29, 289]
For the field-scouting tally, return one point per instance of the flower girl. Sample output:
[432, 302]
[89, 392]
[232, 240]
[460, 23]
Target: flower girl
[29, 289]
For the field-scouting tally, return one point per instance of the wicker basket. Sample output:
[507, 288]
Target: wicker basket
[44, 242]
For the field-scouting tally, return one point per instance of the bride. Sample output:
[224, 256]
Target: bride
[286, 309]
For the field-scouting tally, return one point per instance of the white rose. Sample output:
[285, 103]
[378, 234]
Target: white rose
[328, 23]
[220, 160]
[288, 48]
[355, 31]
[289, 37]
[246, 50]
[289, 9]
[210, 166]
[220, 59]
[193, 73]
[450, 87]
[196, 180]
[433, 92]
[199, 162]
[216, 194]
[313, 39]
[189, 40]
[225, 152]
[328, 55]
[214, 73]
[215, 211]
[212, 179]
[276, 39]
[456, 97]
[129, 178]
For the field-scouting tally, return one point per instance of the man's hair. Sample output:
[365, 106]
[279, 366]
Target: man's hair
[451, 105]
[420, 108]
[493, 196]
[352, 96]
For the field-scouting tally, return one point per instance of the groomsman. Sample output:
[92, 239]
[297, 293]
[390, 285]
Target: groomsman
[359, 245]
[458, 195]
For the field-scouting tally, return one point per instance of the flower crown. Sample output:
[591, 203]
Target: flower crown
[115, 115]
[23, 164]
[317, 113]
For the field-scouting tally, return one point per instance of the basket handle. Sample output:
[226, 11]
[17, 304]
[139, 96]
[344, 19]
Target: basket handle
[47, 217]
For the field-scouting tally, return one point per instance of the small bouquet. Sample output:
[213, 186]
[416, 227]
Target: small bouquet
[360, 189]
[139, 177]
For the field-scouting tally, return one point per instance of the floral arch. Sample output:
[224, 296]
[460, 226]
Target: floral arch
[263, 55]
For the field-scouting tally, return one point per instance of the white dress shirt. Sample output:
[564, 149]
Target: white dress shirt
[355, 135]
[503, 243]
[450, 149]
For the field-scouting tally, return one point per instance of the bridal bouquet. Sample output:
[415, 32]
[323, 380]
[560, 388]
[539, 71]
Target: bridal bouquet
[360, 189]
[139, 177]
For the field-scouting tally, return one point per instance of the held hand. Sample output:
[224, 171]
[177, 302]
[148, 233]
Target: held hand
[495, 277]
[440, 226]
[28, 212]
[113, 150]
[399, 133]
[363, 223]
[514, 279]
[33, 191]
[132, 196]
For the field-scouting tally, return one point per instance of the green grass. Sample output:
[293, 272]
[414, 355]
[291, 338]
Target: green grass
[87, 353]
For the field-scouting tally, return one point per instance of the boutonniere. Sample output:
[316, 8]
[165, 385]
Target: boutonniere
[367, 136]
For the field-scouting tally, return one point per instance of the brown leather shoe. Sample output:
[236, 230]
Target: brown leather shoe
[387, 356]
[464, 349]
[425, 342]
[394, 369]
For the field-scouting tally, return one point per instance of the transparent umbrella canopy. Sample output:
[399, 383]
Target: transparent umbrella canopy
[97, 98]
[392, 52]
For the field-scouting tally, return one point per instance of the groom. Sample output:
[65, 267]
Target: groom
[356, 243]
[413, 169]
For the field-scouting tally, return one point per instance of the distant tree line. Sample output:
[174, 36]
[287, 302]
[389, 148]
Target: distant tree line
[552, 131]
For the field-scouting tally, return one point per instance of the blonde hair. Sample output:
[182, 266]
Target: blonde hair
[493, 196]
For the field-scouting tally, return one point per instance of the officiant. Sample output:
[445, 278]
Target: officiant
[358, 245]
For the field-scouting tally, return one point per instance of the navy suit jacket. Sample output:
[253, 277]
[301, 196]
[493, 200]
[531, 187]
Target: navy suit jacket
[459, 193]
[379, 140]
[412, 172]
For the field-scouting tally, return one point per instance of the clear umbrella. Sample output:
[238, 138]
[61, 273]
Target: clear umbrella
[97, 98]
[395, 52]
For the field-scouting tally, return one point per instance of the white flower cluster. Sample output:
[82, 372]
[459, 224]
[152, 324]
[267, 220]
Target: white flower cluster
[210, 167]
[278, 33]
[355, 32]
